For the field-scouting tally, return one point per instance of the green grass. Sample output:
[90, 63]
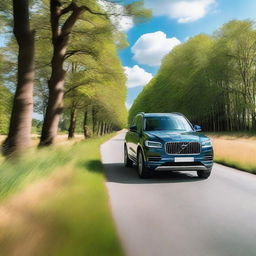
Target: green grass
[236, 150]
[251, 168]
[74, 217]
[35, 164]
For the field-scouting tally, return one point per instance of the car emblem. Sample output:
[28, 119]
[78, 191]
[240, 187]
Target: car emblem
[184, 146]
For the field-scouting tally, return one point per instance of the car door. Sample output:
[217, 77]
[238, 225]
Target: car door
[130, 139]
[136, 136]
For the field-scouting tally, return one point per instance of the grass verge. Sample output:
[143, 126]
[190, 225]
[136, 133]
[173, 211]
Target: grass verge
[235, 151]
[236, 164]
[54, 203]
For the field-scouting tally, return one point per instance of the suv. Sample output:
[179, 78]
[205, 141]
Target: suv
[167, 142]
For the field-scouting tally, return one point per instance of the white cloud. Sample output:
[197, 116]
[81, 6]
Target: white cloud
[152, 47]
[119, 20]
[182, 10]
[137, 76]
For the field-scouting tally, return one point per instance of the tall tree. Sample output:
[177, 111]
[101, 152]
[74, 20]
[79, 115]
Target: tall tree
[212, 80]
[21, 118]
[63, 20]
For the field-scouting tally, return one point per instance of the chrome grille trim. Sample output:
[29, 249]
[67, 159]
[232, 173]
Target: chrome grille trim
[175, 148]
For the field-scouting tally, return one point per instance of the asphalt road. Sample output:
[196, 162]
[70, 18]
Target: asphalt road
[178, 214]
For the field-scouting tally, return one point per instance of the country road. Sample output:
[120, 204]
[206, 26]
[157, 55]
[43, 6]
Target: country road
[178, 214]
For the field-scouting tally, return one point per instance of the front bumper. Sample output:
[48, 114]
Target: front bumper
[182, 168]
[158, 160]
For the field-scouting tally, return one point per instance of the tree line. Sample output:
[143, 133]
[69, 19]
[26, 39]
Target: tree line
[209, 78]
[67, 68]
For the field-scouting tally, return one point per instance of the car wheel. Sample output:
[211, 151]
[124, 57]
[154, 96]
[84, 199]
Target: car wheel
[127, 161]
[142, 170]
[203, 174]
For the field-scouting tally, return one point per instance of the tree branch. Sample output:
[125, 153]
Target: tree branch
[69, 8]
[76, 52]
[55, 7]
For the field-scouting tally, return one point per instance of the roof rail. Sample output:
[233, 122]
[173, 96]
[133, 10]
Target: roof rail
[177, 113]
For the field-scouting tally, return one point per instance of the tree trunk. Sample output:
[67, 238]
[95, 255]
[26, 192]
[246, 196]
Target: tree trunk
[21, 119]
[98, 129]
[72, 126]
[253, 121]
[102, 128]
[94, 121]
[107, 126]
[60, 40]
[86, 135]
[55, 104]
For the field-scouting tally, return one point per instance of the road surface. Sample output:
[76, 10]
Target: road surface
[178, 214]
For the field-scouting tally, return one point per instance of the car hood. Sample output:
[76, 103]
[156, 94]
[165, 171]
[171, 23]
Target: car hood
[169, 136]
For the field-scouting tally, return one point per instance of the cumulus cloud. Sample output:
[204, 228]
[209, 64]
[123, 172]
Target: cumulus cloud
[152, 47]
[137, 76]
[120, 21]
[184, 11]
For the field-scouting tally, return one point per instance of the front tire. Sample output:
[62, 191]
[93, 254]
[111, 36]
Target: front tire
[127, 161]
[204, 174]
[143, 172]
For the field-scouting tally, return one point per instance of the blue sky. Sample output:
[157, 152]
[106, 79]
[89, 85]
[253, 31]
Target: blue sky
[177, 20]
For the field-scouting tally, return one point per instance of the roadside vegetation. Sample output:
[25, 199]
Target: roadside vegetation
[210, 78]
[238, 151]
[67, 69]
[59, 74]
[54, 202]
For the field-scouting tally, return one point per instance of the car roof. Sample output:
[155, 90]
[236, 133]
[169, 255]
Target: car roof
[159, 114]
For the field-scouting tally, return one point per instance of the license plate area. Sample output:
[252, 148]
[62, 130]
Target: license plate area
[184, 159]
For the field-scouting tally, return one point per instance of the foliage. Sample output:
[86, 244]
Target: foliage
[211, 79]
[92, 46]
[6, 102]
[90, 80]
[61, 178]
[5, 109]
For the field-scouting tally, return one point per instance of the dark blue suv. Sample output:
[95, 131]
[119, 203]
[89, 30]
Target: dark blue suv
[167, 142]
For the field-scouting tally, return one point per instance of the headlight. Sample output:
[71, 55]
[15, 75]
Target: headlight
[206, 144]
[153, 144]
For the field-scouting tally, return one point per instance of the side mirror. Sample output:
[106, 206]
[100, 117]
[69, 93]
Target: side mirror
[133, 128]
[197, 128]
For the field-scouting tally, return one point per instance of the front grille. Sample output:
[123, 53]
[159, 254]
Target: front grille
[182, 148]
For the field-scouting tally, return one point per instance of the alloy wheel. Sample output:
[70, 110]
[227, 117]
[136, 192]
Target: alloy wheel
[140, 163]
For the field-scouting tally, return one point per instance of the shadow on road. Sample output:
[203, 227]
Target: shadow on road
[116, 172]
[92, 166]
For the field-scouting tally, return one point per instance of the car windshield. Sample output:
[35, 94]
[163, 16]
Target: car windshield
[170, 123]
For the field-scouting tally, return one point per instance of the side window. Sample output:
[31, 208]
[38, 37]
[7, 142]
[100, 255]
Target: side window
[139, 123]
[134, 120]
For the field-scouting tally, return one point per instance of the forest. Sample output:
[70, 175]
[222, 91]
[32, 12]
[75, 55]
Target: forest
[59, 62]
[209, 78]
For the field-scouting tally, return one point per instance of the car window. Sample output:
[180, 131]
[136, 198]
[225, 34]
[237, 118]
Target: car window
[139, 123]
[172, 123]
[133, 121]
